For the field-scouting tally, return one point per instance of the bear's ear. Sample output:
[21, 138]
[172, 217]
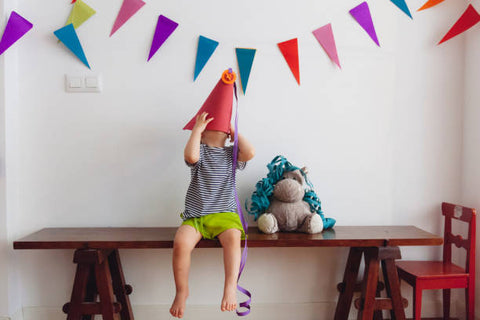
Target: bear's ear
[304, 170]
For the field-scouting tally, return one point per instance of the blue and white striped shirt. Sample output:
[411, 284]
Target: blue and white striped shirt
[211, 187]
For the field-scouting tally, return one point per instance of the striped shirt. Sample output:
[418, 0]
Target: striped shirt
[212, 185]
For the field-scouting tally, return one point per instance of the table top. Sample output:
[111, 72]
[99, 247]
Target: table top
[142, 238]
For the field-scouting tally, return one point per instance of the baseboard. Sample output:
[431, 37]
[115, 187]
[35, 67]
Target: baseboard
[17, 316]
[265, 311]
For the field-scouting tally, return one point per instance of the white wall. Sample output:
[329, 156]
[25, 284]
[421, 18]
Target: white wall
[382, 137]
[471, 154]
[3, 214]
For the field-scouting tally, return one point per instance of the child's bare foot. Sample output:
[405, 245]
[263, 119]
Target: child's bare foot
[229, 301]
[178, 305]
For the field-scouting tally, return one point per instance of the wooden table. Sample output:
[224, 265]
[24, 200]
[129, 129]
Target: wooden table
[99, 270]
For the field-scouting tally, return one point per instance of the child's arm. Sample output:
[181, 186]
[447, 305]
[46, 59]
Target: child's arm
[191, 153]
[246, 151]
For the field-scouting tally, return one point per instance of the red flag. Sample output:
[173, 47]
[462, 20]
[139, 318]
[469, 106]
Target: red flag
[289, 50]
[468, 19]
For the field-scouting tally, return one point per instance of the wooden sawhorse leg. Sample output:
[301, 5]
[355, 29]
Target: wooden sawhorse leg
[370, 305]
[99, 272]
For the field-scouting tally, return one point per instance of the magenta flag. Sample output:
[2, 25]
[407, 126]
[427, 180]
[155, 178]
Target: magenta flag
[16, 28]
[164, 29]
[361, 13]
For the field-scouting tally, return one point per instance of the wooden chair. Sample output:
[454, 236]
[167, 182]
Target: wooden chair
[424, 275]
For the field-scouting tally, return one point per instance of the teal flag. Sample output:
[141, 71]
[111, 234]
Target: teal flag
[205, 49]
[403, 6]
[69, 38]
[245, 61]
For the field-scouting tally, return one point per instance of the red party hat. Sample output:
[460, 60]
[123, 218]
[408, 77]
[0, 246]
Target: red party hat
[218, 104]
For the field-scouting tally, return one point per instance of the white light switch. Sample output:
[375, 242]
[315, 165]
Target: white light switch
[75, 82]
[89, 83]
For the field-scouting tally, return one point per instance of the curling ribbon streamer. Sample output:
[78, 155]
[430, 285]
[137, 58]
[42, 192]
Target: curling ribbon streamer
[245, 304]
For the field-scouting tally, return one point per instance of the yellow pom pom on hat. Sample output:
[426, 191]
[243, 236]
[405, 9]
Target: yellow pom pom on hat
[218, 104]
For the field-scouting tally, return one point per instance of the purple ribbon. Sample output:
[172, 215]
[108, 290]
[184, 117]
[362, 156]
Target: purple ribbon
[245, 304]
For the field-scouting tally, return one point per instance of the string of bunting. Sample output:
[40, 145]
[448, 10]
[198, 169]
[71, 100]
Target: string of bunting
[17, 26]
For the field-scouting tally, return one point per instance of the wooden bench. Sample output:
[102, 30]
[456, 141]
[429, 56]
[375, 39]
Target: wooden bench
[99, 270]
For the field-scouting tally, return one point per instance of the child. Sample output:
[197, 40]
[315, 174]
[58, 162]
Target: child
[210, 206]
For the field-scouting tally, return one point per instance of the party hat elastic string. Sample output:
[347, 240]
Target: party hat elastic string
[245, 304]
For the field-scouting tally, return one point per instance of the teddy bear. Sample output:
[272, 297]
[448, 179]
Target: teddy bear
[285, 201]
[287, 210]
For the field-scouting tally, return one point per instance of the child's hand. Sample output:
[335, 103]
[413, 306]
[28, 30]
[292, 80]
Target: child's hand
[201, 122]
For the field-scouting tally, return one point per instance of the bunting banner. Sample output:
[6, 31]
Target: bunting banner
[289, 51]
[326, 39]
[361, 13]
[429, 4]
[80, 13]
[17, 27]
[128, 9]
[468, 19]
[164, 29]
[68, 36]
[245, 58]
[402, 6]
[205, 49]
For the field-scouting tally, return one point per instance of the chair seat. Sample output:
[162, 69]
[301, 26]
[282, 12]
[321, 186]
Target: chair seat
[431, 269]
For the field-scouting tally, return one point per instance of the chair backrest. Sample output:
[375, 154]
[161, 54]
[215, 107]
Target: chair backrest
[467, 215]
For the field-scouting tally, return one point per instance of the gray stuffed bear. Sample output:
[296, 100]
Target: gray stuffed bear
[287, 210]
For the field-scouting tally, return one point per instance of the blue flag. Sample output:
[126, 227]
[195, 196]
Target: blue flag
[69, 38]
[206, 47]
[403, 6]
[245, 60]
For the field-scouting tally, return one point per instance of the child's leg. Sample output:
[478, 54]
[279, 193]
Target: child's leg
[230, 240]
[185, 240]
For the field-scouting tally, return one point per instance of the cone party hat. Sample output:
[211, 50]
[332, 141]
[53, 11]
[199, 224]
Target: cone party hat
[218, 104]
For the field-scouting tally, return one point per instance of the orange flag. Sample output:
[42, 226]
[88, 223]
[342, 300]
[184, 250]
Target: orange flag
[429, 4]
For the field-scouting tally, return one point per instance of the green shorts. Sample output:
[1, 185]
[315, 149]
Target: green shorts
[211, 225]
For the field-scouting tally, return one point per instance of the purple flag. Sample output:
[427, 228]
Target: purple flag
[16, 27]
[361, 13]
[164, 29]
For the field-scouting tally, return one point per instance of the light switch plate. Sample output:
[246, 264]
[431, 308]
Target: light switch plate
[83, 83]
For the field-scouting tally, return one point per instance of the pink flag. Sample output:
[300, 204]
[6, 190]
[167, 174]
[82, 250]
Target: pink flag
[128, 9]
[324, 35]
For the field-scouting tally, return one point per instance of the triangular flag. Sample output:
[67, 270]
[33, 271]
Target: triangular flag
[128, 9]
[324, 35]
[245, 61]
[80, 13]
[69, 38]
[164, 29]
[403, 6]
[468, 19]
[429, 4]
[205, 49]
[16, 27]
[289, 50]
[361, 13]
